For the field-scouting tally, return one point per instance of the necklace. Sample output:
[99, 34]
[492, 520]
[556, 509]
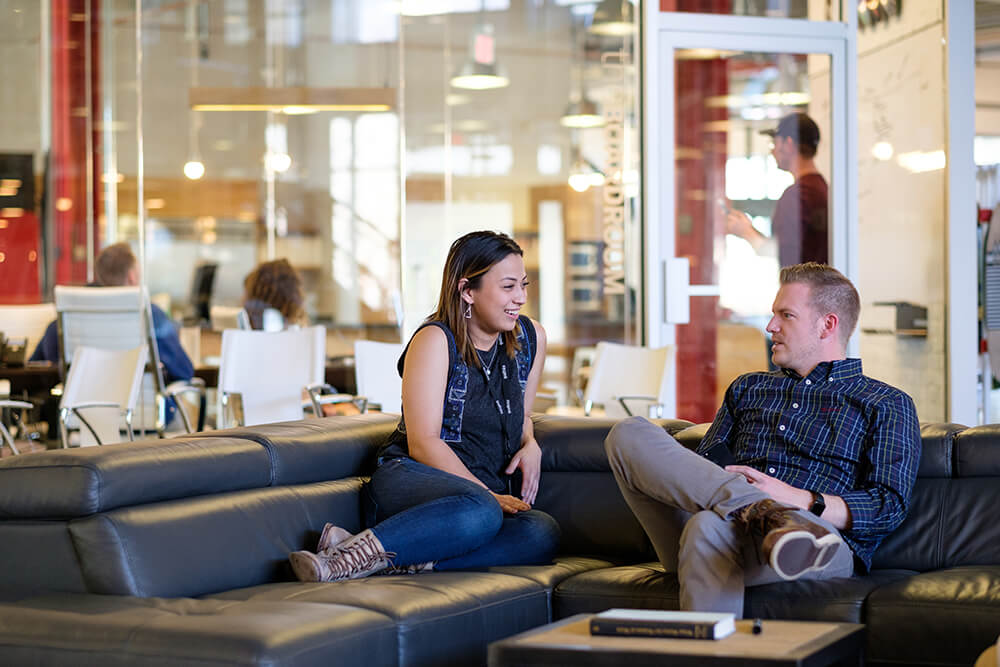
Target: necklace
[488, 364]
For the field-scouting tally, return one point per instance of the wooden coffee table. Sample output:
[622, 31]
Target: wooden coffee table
[569, 642]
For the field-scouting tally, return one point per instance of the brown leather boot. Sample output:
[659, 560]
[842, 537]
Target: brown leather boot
[354, 558]
[791, 546]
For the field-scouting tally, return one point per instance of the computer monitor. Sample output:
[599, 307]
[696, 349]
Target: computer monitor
[202, 284]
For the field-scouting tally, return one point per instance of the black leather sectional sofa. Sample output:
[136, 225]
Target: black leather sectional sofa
[173, 552]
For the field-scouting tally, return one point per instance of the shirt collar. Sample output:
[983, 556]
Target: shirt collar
[830, 371]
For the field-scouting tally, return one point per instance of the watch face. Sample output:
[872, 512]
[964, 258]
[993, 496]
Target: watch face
[819, 504]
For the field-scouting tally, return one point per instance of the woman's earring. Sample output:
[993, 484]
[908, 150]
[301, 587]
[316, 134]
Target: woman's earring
[468, 312]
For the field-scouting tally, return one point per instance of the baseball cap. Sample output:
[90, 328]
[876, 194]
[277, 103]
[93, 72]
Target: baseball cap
[799, 127]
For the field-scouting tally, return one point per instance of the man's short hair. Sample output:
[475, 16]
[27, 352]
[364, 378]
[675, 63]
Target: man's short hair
[829, 292]
[801, 129]
[113, 265]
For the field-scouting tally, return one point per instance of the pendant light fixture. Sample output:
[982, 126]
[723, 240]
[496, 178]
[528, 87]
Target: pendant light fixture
[582, 173]
[614, 18]
[481, 71]
[194, 168]
[581, 112]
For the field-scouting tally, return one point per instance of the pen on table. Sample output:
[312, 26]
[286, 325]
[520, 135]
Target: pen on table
[757, 626]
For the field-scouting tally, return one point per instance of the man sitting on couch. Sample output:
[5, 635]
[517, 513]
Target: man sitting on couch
[804, 471]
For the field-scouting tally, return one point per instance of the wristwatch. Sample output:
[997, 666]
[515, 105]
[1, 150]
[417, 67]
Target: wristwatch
[818, 504]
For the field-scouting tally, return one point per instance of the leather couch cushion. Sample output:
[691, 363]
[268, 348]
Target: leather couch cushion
[37, 557]
[574, 444]
[77, 630]
[314, 450]
[593, 517]
[943, 617]
[648, 586]
[937, 455]
[549, 576]
[643, 586]
[840, 600]
[443, 618]
[951, 523]
[78, 482]
[209, 544]
[977, 452]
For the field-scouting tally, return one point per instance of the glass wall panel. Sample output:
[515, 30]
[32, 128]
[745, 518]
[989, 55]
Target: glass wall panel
[356, 138]
[816, 10]
[540, 145]
[748, 202]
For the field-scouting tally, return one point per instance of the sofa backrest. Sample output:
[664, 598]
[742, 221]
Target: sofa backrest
[952, 518]
[158, 517]
[579, 491]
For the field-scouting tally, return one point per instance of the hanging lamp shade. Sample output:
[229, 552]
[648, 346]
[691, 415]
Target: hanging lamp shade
[614, 18]
[481, 71]
[582, 113]
[480, 76]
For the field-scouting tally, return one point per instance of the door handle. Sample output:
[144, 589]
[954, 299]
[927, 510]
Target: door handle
[678, 290]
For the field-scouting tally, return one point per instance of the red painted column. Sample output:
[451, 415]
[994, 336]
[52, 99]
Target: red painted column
[700, 174]
[68, 199]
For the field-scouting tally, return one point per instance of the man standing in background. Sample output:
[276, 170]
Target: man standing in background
[800, 220]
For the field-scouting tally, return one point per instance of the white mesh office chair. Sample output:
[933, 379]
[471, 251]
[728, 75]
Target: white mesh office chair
[624, 380]
[100, 409]
[27, 322]
[262, 375]
[119, 318]
[375, 374]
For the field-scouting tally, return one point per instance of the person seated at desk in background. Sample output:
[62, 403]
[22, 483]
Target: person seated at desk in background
[116, 266]
[444, 489]
[803, 473]
[273, 285]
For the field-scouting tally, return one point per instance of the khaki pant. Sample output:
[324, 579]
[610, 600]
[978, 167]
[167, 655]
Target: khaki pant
[684, 503]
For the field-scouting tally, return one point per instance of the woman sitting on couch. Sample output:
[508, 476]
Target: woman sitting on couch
[456, 479]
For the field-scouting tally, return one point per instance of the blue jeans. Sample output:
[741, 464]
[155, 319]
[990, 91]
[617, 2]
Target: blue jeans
[426, 514]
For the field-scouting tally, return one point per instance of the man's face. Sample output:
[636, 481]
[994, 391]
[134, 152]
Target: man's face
[796, 330]
[784, 151]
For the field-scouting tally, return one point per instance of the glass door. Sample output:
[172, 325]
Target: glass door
[746, 149]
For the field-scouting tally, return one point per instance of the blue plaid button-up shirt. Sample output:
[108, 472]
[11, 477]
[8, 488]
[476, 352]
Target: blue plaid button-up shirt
[835, 431]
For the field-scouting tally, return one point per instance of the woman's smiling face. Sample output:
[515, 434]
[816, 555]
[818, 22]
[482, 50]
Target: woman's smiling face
[502, 292]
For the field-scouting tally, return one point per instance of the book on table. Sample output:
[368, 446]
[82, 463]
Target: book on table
[659, 623]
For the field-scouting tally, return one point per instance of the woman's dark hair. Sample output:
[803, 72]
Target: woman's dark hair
[273, 285]
[470, 257]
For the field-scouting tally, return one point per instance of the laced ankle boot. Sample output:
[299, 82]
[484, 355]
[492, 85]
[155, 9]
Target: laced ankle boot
[354, 558]
[791, 546]
[333, 535]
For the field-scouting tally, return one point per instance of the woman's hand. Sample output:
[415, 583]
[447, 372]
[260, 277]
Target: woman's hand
[510, 504]
[529, 460]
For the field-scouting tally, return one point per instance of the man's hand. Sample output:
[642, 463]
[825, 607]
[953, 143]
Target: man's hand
[510, 504]
[529, 460]
[778, 490]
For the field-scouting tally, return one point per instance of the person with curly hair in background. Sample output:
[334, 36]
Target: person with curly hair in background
[275, 285]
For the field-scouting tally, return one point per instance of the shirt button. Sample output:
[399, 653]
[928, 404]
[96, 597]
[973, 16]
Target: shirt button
[809, 382]
[829, 379]
[781, 428]
[795, 405]
[771, 470]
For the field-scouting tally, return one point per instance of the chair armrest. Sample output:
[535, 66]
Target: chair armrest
[195, 385]
[319, 399]
[75, 409]
[7, 403]
[622, 399]
[233, 400]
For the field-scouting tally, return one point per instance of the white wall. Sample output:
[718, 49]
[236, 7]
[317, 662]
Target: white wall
[902, 215]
